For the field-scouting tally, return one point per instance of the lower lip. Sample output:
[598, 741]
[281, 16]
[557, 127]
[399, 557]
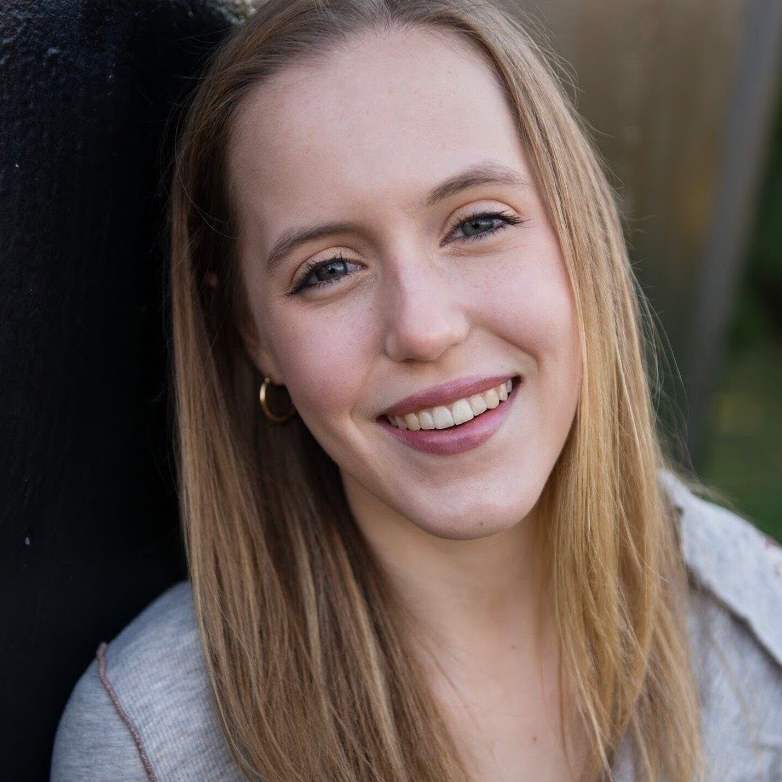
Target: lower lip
[455, 439]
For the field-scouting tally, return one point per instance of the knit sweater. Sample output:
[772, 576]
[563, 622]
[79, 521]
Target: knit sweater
[143, 710]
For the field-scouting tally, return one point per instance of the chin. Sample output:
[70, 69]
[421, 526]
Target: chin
[474, 522]
[469, 531]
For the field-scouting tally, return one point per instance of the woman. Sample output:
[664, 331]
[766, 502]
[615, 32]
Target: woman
[450, 549]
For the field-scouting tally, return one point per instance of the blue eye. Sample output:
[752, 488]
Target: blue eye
[482, 217]
[324, 272]
[330, 271]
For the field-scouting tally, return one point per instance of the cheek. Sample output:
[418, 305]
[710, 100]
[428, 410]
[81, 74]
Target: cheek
[554, 332]
[324, 360]
[554, 337]
[537, 313]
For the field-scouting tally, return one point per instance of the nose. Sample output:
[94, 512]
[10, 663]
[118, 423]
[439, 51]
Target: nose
[424, 316]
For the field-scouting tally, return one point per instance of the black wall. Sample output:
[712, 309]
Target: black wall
[88, 512]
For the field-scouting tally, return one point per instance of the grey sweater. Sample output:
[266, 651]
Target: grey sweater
[143, 711]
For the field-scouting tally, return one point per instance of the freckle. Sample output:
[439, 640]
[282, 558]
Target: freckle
[513, 646]
[534, 739]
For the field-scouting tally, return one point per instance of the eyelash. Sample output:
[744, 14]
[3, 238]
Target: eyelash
[507, 220]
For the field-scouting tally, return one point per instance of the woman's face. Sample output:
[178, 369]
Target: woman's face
[426, 258]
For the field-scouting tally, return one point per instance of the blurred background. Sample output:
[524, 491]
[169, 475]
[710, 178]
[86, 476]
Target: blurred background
[683, 99]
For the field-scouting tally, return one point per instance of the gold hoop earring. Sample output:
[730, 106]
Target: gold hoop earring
[271, 416]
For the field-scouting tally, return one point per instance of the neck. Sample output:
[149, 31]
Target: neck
[466, 598]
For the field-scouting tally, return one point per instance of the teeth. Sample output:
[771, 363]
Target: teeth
[478, 404]
[461, 411]
[442, 417]
[412, 422]
[426, 419]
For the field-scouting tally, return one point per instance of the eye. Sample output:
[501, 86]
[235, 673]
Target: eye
[476, 221]
[331, 271]
[324, 272]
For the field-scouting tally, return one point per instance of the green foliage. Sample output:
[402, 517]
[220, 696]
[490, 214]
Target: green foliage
[744, 445]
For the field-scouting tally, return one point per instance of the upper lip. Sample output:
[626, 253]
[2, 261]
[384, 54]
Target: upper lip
[446, 393]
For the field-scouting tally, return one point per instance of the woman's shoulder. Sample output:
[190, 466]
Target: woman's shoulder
[142, 710]
[735, 562]
[735, 630]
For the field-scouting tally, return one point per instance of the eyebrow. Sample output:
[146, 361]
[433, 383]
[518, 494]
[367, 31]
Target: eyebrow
[479, 174]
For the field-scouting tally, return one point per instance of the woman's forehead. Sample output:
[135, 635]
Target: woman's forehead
[394, 109]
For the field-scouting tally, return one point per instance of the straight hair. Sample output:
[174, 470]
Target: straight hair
[304, 642]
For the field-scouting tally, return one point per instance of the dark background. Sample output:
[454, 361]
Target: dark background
[684, 102]
[88, 514]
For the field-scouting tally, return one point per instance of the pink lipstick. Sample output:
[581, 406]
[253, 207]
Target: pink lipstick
[452, 439]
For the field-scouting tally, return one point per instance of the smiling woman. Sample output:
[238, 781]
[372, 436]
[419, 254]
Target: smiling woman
[459, 555]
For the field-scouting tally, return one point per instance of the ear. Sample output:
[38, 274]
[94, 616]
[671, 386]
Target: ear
[259, 353]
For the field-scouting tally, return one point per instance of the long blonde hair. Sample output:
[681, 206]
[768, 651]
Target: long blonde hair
[311, 674]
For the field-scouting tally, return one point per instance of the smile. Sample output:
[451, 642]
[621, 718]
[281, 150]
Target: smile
[453, 430]
[459, 412]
